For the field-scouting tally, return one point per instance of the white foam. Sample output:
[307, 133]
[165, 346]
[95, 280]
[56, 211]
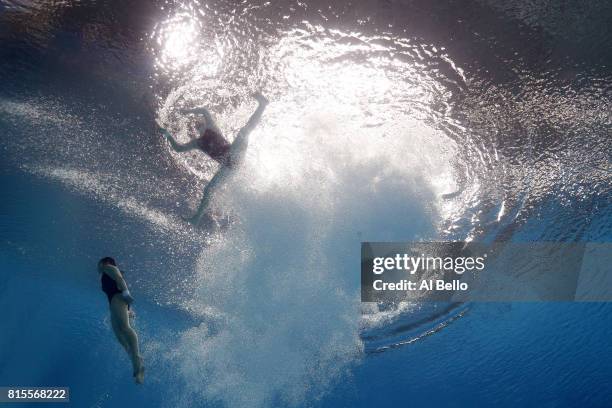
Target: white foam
[343, 154]
[285, 275]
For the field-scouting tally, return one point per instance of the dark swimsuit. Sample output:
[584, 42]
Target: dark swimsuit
[215, 145]
[109, 286]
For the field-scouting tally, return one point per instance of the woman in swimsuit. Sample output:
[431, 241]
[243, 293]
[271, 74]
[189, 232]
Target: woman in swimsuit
[119, 299]
[212, 142]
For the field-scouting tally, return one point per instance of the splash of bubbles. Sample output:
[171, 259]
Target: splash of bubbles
[285, 275]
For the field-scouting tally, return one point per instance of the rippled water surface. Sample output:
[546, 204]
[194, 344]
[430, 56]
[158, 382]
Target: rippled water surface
[388, 121]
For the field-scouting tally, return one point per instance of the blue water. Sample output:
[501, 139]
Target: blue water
[388, 121]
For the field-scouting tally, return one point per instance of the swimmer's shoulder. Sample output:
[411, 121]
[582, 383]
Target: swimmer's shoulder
[111, 271]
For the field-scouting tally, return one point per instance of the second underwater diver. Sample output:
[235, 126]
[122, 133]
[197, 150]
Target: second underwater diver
[119, 299]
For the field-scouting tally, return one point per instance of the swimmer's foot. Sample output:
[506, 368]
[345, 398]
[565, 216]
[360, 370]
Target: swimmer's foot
[139, 371]
[165, 133]
[260, 98]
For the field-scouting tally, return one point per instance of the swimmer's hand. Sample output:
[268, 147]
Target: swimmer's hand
[127, 296]
[260, 98]
[166, 134]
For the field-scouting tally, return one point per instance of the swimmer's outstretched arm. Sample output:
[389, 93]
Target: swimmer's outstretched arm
[180, 147]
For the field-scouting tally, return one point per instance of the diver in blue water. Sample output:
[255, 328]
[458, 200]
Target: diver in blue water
[119, 299]
[212, 142]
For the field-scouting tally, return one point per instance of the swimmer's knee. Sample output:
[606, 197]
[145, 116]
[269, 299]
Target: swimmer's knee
[120, 323]
[124, 326]
[121, 327]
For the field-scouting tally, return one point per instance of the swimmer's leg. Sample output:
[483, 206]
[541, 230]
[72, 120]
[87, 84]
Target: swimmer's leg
[207, 195]
[119, 334]
[241, 142]
[179, 148]
[126, 335]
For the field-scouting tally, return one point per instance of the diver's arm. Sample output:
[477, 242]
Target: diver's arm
[179, 147]
[114, 273]
[169, 137]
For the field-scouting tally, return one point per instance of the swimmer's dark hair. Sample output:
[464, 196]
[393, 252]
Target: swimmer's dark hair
[106, 261]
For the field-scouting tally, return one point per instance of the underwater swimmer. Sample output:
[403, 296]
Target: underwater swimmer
[119, 298]
[212, 142]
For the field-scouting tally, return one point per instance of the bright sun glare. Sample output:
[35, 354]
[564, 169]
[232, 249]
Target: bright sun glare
[184, 44]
